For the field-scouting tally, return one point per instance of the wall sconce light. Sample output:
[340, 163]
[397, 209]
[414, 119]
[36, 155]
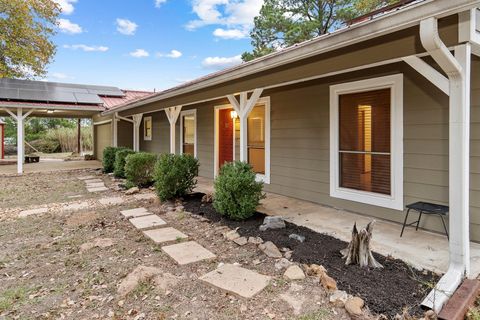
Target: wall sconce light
[50, 111]
[233, 114]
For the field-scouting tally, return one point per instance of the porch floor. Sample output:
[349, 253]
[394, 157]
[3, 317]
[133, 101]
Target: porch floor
[50, 166]
[422, 249]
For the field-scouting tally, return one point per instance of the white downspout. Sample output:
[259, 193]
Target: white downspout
[457, 69]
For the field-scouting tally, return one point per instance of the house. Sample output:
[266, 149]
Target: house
[369, 118]
[2, 139]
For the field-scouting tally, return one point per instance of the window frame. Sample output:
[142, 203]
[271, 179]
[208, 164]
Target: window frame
[145, 137]
[265, 178]
[182, 114]
[395, 84]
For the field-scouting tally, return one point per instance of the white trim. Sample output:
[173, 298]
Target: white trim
[145, 137]
[432, 75]
[172, 115]
[182, 114]
[395, 200]
[99, 123]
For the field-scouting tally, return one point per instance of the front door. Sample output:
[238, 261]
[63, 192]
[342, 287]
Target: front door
[225, 136]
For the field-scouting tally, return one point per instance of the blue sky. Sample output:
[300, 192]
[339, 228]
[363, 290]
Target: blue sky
[147, 44]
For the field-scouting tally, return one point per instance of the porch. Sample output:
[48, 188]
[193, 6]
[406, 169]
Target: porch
[421, 249]
[50, 165]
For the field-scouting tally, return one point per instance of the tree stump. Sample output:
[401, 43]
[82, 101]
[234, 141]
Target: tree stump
[358, 250]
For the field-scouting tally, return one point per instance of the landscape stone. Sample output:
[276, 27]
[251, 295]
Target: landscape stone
[294, 301]
[294, 273]
[327, 282]
[255, 240]
[99, 189]
[282, 264]
[26, 213]
[187, 252]
[241, 241]
[139, 274]
[93, 181]
[132, 191]
[145, 196]
[95, 185]
[270, 249]
[297, 237]
[100, 242]
[145, 222]
[112, 200]
[338, 298]
[354, 306]
[165, 234]
[133, 213]
[231, 235]
[246, 283]
[86, 178]
[272, 222]
[76, 206]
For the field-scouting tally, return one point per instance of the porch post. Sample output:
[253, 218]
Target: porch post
[172, 115]
[20, 141]
[137, 120]
[114, 130]
[243, 108]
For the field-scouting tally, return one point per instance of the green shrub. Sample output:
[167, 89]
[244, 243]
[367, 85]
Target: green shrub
[175, 175]
[139, 168]
[237, 193]
[119, 167]
[109, 158]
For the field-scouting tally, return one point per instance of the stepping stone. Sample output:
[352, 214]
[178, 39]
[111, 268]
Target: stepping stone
[76, 206]
[75, 196]
[86, 178]
[26, 213]
[95, 185]
[246, 283]
[165, 235]
[147, 222]
[93, 181]
[112, 200]
[187, 252]
[97, 189]
[133, 213]
[145, 196]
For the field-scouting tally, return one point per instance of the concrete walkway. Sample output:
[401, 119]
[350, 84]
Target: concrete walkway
[421, 249]
[50, 166]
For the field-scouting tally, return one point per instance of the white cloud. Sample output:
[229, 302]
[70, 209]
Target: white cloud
[127, 27]
[139, 53]
[221, 62]
[86, 48]
[66, 26]
[235, 14]
[230, 33]
[174, 54]
[66, 6]
[158, 3]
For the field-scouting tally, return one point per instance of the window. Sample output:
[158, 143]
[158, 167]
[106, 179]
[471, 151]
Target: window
[188, 132]
[147, 128]
[367, 141]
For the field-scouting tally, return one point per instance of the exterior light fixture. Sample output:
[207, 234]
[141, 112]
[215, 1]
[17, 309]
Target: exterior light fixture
[50, 111]
[233, 114]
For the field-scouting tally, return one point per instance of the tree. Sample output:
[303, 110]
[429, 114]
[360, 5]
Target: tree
[283, 23]
[26, 27]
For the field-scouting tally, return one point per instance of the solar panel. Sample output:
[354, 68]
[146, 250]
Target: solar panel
[29, 90]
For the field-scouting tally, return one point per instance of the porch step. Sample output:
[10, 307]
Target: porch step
[462, 299]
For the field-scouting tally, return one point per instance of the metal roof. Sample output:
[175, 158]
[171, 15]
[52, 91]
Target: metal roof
[130, 95]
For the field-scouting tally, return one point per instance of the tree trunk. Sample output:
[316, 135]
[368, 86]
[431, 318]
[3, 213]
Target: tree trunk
[358, 251]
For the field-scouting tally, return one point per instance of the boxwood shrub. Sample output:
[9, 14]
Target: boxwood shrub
[108, 161]
[175, 175]
[237, 193]
[119, 167]
[139, 168]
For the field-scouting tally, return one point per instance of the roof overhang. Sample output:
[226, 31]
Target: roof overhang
[47, 110]
[403, 18]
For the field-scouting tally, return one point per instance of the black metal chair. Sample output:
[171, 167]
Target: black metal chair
[426, 208]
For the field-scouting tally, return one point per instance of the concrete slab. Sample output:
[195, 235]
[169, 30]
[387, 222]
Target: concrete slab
[86, 178]
[133, 213]
[99, 189]
[95, 185]
[145, 196]
[111, 201]
[165, 235]
[246, 283]
[93, 181]
[188, 252]
[26, 213]
[76, 206]
[147, 222]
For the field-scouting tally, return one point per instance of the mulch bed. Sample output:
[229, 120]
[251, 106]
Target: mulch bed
[386, 291]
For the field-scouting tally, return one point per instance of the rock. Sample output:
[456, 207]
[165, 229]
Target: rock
[354, 306]
[133, 190]
[139, 274]
[241, 241]
[288, 255]
[282, 264]
[294, 273]
[270, 249]
[272, 222]
[207, 198]
[99, 242]
[294, 301]
[231, 235]
[430, 315]
[297, 237]
[338, 298]
[327, 282]
[165, 281]
[255, 240]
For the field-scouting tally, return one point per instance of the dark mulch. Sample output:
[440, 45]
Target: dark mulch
[386, 291]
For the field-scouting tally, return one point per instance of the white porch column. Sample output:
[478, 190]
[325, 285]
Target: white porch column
[115, 130]
[20, 141]
[137, 120]
[243, 108]
[172, 115]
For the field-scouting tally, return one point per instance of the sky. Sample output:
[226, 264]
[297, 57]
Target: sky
[149, 44]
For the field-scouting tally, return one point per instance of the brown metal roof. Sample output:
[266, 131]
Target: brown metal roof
[130, 95]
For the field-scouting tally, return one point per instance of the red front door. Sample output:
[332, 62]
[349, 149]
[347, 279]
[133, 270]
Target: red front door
[225, 136]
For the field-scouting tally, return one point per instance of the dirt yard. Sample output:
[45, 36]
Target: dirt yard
[70, 262]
